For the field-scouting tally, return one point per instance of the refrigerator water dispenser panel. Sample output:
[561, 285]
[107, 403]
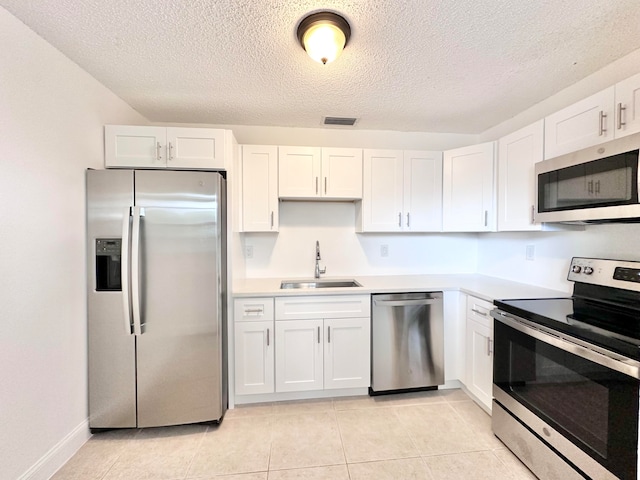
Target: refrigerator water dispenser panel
[108, 255]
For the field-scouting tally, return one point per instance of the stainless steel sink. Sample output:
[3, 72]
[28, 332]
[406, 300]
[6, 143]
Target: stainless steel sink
[319, 284]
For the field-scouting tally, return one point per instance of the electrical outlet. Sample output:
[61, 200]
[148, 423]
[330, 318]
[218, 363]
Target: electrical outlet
[248, 251]
[384, 250]
[530, 253]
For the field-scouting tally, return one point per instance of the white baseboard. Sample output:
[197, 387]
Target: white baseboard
[55, 458]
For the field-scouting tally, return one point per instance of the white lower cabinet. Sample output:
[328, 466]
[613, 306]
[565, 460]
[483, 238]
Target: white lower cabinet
[299, 355]
[254, 372]
[254, 341]
[322, 342]
[479, 350]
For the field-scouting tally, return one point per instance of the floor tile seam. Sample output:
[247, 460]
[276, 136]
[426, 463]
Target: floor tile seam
[299, 468]
[196, 450]
[344, 453]
[385, 459]
[462, 452]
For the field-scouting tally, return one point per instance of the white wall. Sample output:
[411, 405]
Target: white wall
[503, 254]
[51, 119]
[291, 252]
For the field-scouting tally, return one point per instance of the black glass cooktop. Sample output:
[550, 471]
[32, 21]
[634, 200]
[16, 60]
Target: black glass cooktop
[607, 324]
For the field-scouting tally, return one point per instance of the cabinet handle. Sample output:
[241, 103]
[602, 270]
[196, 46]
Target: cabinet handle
[400, 219]
[316, 185]
[170, 152]
[603, 117]
[597, 187]
[486, 218]
[159, 154]
[272, 219]
[408, 224]
[590, 186]
[478, 312]
[267, 337]
[489, 346]
[533, 214]
[328, 334]
[621, 109]
[318, 334]
[325, 185]
[253, 310]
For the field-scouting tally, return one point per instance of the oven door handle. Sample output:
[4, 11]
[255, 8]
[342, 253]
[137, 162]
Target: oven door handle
[593, 353]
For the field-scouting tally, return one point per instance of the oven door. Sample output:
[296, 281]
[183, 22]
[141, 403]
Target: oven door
[570, 395]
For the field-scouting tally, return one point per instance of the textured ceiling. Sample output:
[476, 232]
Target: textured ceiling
[414, 65]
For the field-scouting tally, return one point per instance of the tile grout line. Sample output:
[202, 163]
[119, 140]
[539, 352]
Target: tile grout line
[344, 453]
[195, 452]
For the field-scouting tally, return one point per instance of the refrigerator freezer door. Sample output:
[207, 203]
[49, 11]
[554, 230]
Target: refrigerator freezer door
[180, 350]
[112, 373]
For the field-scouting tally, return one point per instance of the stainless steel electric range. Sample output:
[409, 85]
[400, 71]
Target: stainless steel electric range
[566, 375]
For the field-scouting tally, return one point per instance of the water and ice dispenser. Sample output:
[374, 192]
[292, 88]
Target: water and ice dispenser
[108, 256]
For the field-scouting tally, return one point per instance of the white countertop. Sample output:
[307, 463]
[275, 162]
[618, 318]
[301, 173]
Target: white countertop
[488, 288]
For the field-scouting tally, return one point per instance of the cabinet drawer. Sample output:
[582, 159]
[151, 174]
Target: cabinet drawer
[252, 309]
[478, 309]
[321, 306]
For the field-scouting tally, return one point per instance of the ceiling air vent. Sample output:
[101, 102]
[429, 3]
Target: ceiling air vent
[342, 121]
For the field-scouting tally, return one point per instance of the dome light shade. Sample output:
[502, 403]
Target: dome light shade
[324, 35]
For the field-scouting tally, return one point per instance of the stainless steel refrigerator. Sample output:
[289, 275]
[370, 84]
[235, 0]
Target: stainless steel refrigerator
[156, 297]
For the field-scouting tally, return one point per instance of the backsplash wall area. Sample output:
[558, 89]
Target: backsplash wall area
[345, 253]
[503, 254]
[291, 252]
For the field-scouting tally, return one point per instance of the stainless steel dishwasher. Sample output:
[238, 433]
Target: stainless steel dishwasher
[407, 342]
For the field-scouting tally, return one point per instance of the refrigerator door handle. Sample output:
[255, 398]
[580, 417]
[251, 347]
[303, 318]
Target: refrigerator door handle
[124, 269]
[138, 213]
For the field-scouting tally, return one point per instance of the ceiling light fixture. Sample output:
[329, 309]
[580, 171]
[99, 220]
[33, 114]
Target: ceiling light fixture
[324, 35]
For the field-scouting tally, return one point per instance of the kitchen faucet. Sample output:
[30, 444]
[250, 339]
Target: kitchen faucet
[318, 258]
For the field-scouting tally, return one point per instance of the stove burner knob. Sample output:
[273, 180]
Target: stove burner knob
[576, 269]
[588, 270]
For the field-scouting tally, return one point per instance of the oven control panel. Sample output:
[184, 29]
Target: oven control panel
[608, 273]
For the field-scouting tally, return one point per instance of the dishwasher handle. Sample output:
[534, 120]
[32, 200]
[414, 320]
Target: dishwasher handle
[406, 303]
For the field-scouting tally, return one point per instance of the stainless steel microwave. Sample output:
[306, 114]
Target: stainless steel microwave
[594, 185]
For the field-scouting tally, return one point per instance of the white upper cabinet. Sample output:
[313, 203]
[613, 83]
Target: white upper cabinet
[468, 194]
[422, 191]
[585, 123]
[259, 188]
[517, 154]
[128, 146]
[133, 146]
[320, 173]
[611, 113]
[402, 191]
[627, 119]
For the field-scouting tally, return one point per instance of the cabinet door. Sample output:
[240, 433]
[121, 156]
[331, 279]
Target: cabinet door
[299, 355]
[383, 191]
[259, 188]
[347, 356]
[583, 124]
[468, 189]
[479, 375]
[422, 191]
[134, 146]
[299, 172]
[254, 357]
[517, 156]
[627, 107]
[201, 148]
[342, 173]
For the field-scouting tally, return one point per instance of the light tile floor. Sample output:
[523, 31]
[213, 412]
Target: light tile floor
[438, 435]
